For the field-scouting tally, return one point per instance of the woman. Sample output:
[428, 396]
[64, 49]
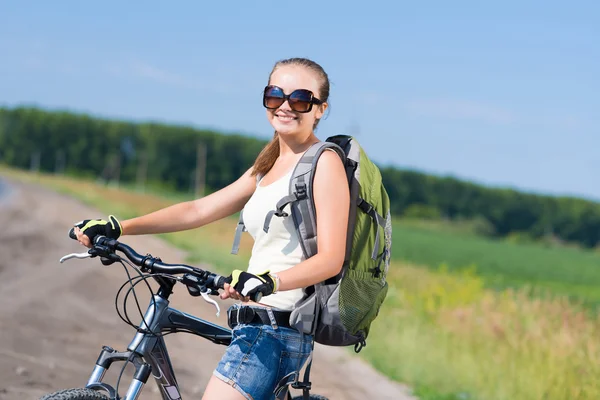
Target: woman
[263, 355]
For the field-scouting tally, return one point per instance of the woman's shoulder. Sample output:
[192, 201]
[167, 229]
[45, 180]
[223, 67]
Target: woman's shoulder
[329, 158]
[330, 170]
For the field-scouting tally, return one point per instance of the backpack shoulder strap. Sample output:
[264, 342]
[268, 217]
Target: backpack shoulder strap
[300, 197]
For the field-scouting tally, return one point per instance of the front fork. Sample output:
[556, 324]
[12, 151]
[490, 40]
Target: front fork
[106, 358]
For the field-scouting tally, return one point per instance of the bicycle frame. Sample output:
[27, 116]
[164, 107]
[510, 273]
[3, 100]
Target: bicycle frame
[148, 352]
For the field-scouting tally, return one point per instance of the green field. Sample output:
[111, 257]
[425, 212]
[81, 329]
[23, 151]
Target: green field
[470, 330]
[501, 264]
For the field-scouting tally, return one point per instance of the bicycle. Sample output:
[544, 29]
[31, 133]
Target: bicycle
[147, 351]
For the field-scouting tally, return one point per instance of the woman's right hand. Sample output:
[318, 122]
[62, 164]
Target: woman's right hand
[81, 238]
[87, 230]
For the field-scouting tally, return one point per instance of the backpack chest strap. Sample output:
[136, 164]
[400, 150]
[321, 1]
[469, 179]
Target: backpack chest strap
[240, 228]
[299, 194]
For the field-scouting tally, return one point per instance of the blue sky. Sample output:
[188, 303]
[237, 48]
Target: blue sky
[505, 94]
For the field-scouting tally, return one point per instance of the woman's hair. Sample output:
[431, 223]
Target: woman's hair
[265, 160]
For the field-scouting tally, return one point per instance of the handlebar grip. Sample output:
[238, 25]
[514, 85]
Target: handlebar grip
[72, 234]
[257, 296]
[220, 282]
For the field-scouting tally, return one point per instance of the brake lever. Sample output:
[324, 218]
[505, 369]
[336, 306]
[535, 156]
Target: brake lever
[206, 297]
[75, 255]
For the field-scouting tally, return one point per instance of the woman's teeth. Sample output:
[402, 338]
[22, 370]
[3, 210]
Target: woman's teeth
[286, 118]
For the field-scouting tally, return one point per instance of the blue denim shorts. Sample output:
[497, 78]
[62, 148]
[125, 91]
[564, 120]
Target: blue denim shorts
[260, 358]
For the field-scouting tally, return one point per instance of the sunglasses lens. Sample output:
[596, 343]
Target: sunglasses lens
[300, 100]
[273, 97]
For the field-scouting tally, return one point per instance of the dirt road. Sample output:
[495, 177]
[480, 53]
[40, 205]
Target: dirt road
[55, 317]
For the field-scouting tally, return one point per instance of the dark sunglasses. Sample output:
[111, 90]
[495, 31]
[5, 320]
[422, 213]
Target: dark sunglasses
[300, 100]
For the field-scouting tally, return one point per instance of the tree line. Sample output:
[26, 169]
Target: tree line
[166, 156]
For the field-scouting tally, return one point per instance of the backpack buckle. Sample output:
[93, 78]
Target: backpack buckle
[365, 206]
[302, 385]
[281, 213]
[301, 191]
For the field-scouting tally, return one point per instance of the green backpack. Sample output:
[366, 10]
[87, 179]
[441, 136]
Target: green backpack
[339, 311]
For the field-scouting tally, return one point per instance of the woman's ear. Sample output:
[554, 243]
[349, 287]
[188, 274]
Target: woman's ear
[321, 110]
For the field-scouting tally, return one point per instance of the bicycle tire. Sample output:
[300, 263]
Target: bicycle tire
[76, 394]
[312, 397]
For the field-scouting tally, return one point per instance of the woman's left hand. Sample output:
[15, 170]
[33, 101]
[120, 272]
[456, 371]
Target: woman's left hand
[230, 293]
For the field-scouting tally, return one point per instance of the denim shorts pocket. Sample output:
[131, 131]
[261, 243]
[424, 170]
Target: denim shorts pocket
[245, 334]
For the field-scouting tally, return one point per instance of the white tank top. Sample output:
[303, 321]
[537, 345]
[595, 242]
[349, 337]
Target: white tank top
[279, 249]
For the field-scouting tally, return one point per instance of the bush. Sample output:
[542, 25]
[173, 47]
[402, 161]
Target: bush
[422, 211]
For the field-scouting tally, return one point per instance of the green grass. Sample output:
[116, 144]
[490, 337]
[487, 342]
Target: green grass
[541, 269]
[445, 331]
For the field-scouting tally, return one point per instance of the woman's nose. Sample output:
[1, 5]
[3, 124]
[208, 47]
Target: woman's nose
[285, 106]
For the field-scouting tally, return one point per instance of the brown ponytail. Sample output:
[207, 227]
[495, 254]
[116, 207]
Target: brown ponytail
[265, 160]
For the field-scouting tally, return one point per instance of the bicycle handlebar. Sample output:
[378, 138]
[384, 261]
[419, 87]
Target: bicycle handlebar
[106, 247]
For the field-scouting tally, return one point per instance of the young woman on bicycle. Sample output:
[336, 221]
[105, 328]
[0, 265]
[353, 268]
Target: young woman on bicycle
[263, 355]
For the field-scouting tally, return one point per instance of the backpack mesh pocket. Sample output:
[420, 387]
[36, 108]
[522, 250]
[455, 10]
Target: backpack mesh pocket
[361, 296]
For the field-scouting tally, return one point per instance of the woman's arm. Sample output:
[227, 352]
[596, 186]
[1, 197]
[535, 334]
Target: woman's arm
[195, 213]
[332, 203]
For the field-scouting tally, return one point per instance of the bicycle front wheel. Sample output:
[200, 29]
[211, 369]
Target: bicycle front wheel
[76, 394]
